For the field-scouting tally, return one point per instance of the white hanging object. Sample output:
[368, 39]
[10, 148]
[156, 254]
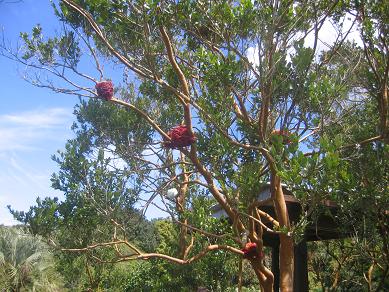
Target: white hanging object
[171, 194]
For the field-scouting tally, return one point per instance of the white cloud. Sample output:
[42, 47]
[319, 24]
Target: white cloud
[40, 118]
[26, 130]
[116, 161]
[21, 181]
[7, 218]
[329, 33]
[27, 140]
[327, 36]
[252, 55]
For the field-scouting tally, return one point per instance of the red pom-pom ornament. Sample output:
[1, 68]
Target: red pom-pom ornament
[251, 251]
[105, 89]
[179, 137]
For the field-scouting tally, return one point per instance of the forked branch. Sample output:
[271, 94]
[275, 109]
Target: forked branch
[138, 255]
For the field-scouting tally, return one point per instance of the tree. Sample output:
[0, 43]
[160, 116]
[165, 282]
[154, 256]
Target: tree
[359, 263]
[98, 205]
[26, 263]
[264, 107]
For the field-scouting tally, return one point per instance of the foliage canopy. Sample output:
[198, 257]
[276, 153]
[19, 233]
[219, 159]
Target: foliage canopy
[264, 106]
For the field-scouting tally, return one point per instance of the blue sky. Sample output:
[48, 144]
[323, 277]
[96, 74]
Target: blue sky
[34, 122]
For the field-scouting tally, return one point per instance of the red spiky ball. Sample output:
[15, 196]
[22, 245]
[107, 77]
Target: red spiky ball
[251, 251]
[179, 137]
[105, 89]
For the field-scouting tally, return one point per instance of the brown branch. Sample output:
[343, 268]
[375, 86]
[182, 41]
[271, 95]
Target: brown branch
[211, 185]
[98, 245]
[181, 201]
[181, 77]
[143, 114]
[224, 132]
[189, 247]
[368, 277]
[279, 201]
[193, 151]
[173, 62]
[268, 217]
[138, 69]
[367, 141]
[146, 73]
[262, 224]
[309, 134]
[363, 142]
[147, 256]
[242, 108]
[206, 233]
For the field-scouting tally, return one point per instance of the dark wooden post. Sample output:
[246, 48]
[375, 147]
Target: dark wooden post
[301, 267]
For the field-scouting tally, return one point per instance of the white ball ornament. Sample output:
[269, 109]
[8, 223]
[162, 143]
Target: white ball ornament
[171, 194]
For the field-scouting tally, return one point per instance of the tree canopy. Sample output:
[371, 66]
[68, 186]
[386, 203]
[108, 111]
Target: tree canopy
[256, 105]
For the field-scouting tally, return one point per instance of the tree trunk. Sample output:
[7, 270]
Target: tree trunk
[265, 276]
[286, 263]
[286, 242]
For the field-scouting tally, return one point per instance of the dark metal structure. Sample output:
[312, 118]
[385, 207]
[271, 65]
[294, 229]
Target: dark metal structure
[322, 227]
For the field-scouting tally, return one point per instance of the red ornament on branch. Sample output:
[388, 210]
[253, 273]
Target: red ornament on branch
[105, 89]
[179, 137]
[285, 134]
[251, 251]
